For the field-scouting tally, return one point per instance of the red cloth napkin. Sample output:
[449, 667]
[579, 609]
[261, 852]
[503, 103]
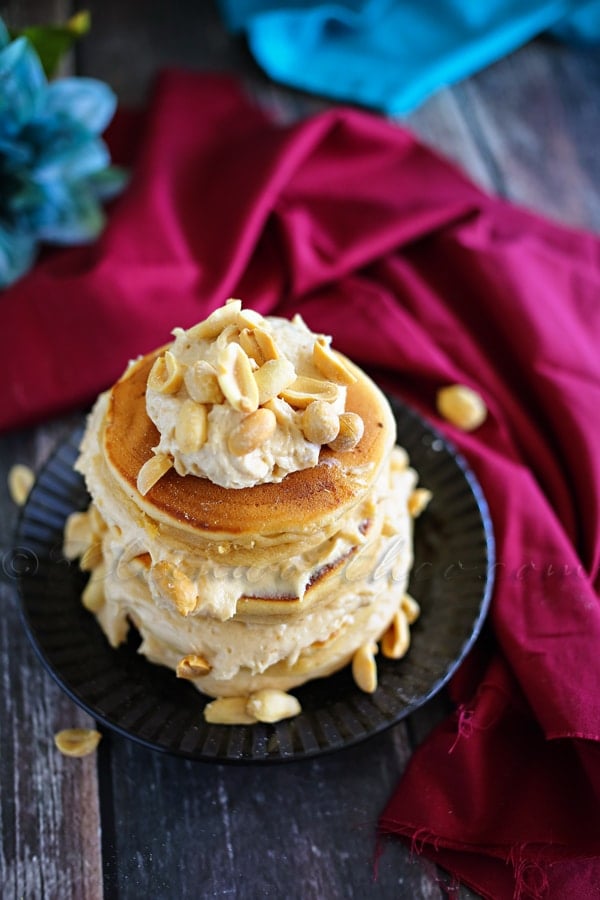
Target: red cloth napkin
[426, 280]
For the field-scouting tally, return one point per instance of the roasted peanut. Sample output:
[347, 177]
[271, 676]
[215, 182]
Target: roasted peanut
[79, 534]
[174, 585]
[266, 343]
[418, 501]
[272, 378]
[320, 422]
[305, 390]
[249, 345]
[271, 705]
[350, 433]
[252, 432]
[77, 741]
[331, 365]
[228, 711]
[152, 471]
[462, 406]
[219, 319]
[364, 668]
[20, 482]
[193, 666]
[396, 640]
[236, 379]
[250, 318]
[411, 608]
[166, 375]
[202, 383]
[92, 597]
[91, 557]
[191, 429]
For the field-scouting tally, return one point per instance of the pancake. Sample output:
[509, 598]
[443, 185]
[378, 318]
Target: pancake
[247, 569]
[304, 501]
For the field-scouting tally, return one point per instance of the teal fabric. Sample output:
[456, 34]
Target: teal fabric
[393, 54]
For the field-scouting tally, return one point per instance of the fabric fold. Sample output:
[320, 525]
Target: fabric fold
[392, 55]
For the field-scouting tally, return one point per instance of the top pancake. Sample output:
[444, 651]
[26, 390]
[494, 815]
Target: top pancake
[303, 502]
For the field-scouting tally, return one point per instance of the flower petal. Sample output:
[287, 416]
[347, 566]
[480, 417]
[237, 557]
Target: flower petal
[24, 206]
[17, 253]
[15, 153]
[22, 85]
[70, 156]
[78, 217]
[88, 101]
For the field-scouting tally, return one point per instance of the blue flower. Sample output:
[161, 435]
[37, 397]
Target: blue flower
[54, 168]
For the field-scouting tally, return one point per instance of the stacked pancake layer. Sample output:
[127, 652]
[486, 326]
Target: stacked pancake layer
[242, 589]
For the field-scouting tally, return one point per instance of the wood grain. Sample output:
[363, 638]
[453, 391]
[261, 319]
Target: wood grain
[300, 830]
[49, 809]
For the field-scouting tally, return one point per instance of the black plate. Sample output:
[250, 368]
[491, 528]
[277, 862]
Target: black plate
[451, 579]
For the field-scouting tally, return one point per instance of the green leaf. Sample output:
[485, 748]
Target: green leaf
[108, 183]
[52, 42]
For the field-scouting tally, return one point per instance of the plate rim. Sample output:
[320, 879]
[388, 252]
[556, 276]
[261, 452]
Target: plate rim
[399, 407]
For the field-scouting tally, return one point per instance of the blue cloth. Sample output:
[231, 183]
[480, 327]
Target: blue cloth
[392, 54]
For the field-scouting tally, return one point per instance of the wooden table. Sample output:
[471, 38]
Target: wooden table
[129, 822]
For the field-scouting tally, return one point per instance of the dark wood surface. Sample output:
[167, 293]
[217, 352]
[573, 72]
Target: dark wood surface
[127, 822]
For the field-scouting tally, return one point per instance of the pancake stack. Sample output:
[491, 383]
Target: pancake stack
[250, 515]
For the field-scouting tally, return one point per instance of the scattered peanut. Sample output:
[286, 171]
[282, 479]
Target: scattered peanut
[462, 406]
[166, 375]
[411, 608]
[236, 379]
[92, 597]
[351, 431]
[396, 640]
[97, 523]
[77, 741]
[364, 668]
[271, 705]
[91, 557]
[152, 471]
[399, 459]
[78, 534]
[20, 482]
[193, 666]
[252, 432]
[191, 429]
[331, 365]
[174, 585]
[418, 501]
[228, 711]
[320, 422]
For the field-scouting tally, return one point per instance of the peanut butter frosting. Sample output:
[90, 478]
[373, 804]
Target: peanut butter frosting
[243, 399]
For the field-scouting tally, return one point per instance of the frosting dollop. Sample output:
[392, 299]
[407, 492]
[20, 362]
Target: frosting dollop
[243, 399]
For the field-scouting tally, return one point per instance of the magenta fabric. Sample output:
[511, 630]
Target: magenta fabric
[425, 280]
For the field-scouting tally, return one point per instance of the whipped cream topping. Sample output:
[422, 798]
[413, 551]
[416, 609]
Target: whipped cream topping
[243, 399]
[361, 597]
